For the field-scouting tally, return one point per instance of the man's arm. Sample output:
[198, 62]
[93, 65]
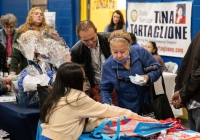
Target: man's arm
[74, 52]
[191, 87]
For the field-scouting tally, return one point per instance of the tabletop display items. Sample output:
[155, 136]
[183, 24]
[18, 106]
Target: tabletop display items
[133, 129]
[44, 56]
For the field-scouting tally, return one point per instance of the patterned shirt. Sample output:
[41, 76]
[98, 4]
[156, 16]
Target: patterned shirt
[97, 61]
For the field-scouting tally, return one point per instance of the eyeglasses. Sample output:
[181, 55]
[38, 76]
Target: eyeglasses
[122, 79]
[85, 79]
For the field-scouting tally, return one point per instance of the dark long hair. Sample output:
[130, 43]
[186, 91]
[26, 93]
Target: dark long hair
[69, 75]
[154, 47]
[120, 24]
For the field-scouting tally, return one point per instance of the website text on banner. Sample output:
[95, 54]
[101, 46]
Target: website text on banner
[167, 24]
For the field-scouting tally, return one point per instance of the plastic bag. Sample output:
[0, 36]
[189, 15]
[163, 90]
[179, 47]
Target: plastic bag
[110, 130]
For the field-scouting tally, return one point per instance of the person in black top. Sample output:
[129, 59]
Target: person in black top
[91, 51]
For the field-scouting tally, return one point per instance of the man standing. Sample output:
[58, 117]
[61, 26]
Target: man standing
[91, 51]
[187, 88]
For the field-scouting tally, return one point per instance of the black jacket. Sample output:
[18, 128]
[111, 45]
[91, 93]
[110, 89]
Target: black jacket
[188, 78]
[81, 54]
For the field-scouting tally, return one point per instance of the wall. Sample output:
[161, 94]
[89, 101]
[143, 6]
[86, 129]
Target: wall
[19, 8]
[67, 15]
[195, 22]
[101, 12]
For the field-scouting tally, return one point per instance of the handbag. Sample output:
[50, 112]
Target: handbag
[129, 129]
[25, 99]
[158, 107]
[43, 93]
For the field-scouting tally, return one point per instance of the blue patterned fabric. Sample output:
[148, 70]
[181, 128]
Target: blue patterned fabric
[50, 74]
[21, 78]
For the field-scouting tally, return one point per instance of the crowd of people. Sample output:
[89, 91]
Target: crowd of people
[93, 83]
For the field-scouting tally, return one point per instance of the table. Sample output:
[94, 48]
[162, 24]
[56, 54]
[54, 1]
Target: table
[87, 136]
[176, 136]
[7, 99]
[19, 122]
[169, 79]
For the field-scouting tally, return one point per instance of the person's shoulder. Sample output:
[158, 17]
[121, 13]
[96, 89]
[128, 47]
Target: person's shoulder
[77, 46]
[106, 28]
[136, 46]
[77, 97]
[156, 56]
[103, 35]
[124, 27]
[74, 94]
[108, 61]
[1, 33]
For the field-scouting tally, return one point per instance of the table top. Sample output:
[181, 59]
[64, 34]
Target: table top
[7, 99]
[88, 136]
[16, 110]
[176, 135]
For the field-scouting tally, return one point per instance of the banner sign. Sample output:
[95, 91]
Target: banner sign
[166, 24]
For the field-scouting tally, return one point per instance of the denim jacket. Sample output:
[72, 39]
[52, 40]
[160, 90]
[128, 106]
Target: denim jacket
[129, 95]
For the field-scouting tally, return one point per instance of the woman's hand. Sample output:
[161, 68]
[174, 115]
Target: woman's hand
[68, 58]
[176, 100]
[55, 35]
[12, 73]
[9, 88]
[146, 77]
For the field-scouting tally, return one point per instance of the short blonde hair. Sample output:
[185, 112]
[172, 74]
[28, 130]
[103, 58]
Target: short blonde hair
[120, 36]
[8, 19]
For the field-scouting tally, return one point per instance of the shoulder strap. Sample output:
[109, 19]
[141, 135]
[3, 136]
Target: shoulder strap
[105, 137]
[151, 86]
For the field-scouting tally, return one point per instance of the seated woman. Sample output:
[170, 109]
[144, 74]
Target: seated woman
[127, 60]
[117, 22]
[152, 48]
[65, 112]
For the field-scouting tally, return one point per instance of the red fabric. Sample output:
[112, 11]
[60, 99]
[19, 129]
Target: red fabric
[182, 20]
[176, 125]
[95, 94]
[9, 46]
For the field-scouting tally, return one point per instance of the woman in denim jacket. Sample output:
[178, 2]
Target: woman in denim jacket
[125, 61]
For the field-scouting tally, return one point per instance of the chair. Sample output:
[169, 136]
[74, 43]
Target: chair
[171, 67]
